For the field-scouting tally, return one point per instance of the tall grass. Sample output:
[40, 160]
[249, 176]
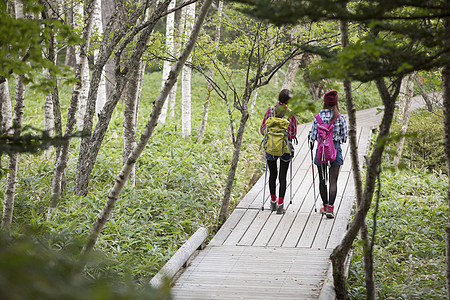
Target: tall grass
[410, 238]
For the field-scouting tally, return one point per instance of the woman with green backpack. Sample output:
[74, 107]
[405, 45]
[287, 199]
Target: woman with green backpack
[329, 128]
[279, 128]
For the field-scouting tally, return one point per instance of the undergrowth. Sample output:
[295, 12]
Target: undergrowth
[409, 249]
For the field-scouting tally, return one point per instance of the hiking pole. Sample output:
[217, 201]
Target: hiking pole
[291, 182]
[264, 191]
[312, 168]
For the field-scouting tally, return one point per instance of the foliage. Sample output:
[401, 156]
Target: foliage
[424, 141]
[410, 243]
[31, 269]
[17, 57]
[396, 38]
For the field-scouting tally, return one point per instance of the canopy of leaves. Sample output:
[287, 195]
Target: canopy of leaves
[23, 43]
[397, 37]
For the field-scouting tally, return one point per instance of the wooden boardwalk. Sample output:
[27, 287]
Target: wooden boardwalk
[258, 254]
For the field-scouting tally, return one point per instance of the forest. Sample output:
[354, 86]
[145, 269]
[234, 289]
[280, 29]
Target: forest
[126, 126]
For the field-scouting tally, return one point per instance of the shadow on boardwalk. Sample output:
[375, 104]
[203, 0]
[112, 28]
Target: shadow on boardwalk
[258, 254]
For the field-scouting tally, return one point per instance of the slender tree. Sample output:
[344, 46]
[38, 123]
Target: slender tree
[186, 123]
[63, 153]
[11, 178]
[148, 131]
[406, 94]
[91, 143]
[170, 48]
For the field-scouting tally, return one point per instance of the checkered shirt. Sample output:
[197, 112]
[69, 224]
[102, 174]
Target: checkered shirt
[340, 132]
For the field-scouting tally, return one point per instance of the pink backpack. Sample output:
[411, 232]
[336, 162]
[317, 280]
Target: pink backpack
[326, 152]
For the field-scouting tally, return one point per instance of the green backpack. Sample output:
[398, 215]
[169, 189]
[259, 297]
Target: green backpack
[276, 140]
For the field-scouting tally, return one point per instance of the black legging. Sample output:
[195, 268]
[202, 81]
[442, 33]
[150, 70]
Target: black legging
[273, 176]
[334, 173]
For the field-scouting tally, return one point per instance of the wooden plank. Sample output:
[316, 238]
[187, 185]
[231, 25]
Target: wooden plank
[325, 227]
[253, 273]
[310, 230]
[254, 193]
[227, 227]
[278, 237]
[255, 227]
[341, 223]
[296, 230]
[241, 227]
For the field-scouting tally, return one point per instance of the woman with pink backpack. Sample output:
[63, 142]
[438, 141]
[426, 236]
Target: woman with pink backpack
[329, 128]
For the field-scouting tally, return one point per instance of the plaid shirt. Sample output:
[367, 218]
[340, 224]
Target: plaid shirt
[292, 129]
[340, 132]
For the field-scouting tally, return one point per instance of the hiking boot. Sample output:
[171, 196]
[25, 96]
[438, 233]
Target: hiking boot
[280, 209]
[273, 205]
[323, 209]
[330, 213]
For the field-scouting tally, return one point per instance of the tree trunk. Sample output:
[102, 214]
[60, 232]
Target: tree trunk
[5, 111]
[446, 109]
[130, 121]
[201, 134]
[405, 112]
[170, 49]
[6, 107]
[90, 146]
[186, 79]
[223, 214]
[423, 93]
[338, 260]
[291, 72]
[294, 63]
[151, 124]
[53, 96]
[374, 161]
[252, 106]
[11, 178]
[81, 56]
[63, 153]
[97, 24]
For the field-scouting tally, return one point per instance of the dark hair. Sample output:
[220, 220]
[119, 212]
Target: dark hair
[284, 96]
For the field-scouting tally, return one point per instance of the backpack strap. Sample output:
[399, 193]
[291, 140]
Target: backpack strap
[319, 119]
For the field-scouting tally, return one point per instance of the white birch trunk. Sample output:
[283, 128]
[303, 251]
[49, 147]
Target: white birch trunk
[253, 104]
[82, 59]
[406, 95]
[186, 80]
[98, 27]
[11, 178]
[172, 98]
[62, 158]
[6, 111]
[170, 49]
[147, 133]
[6, 107]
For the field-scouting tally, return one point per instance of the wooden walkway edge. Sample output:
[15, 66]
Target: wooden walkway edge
[258, 254]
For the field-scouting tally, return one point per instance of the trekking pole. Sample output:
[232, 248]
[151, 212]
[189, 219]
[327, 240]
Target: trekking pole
[291, 183]
[312, 168]
[264, 191]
